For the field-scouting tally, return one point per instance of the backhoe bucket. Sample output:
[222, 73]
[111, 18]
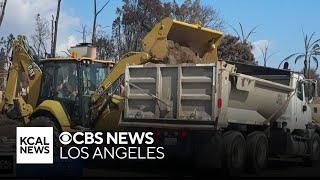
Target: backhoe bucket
[202, 41]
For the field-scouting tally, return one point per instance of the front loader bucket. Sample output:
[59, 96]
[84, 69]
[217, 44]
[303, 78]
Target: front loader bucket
[202, 41]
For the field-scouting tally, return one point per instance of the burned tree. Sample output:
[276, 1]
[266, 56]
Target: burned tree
[137, 17]
[95, 16]
[3, 5]
[104, 44]
[232, 48]
[237, 48]
[83, 33]
[40, 36]
[193, 12]
[265, 54]
[5, 50]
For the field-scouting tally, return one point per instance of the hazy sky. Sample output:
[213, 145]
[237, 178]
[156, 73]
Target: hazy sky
[280, 22]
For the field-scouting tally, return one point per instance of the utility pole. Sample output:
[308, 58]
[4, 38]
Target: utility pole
[3, 5]
[52, 37]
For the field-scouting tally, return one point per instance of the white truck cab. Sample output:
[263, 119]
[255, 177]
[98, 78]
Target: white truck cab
[298, 113]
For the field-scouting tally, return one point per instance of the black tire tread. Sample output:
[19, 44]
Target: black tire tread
[252, 140]
[228, 139]
[308, 161]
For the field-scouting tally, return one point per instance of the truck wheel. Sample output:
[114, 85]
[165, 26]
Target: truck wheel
[257, 152]
[235, 152]
[43, 121]
[314, 151]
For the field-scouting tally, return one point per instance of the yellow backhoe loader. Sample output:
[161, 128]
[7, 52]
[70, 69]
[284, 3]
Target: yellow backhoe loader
[59, 89]
[79, 93]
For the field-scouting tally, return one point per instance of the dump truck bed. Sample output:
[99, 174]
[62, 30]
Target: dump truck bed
[170, 95]
[202, 96]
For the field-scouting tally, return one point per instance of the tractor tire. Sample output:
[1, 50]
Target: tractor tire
[314, 145]
[44, 121]
[257, 152]
[234, 153]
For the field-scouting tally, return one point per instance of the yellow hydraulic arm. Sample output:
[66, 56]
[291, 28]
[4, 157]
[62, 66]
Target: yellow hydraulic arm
[202, 41]
[22, 62]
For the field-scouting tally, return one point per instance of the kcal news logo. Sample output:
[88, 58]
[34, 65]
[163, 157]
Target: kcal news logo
[34, 145]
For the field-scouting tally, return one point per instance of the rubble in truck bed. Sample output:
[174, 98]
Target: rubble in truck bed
[178, 54]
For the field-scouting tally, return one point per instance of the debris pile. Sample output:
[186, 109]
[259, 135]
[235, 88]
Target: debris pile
[178, 54]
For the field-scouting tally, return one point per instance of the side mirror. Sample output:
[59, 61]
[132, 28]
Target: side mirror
[314, 89]
[304, 108]
[313, 94]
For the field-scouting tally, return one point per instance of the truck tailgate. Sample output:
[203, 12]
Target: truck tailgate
[169, 96]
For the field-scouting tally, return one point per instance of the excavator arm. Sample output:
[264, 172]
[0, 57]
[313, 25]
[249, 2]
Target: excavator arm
[118, 71]
[202, 41]
[14, 105]
[101, 97]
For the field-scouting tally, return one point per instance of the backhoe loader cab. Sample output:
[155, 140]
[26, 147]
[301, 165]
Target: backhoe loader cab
[69, 83]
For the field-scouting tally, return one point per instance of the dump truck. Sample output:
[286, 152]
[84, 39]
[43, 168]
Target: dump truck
[229, 115]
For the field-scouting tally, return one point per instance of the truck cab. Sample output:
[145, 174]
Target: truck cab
[298, 113]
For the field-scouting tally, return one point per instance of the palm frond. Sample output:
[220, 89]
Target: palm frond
[309, 40]
[253, 30]
[316, 53]
[299, 57]
[315, 42]
[315, 60]
[315, 50]
[287, 58]
[242, 32]
[316, 46]
[305, 40]
[235, 30]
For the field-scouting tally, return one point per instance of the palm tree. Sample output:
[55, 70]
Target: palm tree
[242, 34]
[311, 53]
